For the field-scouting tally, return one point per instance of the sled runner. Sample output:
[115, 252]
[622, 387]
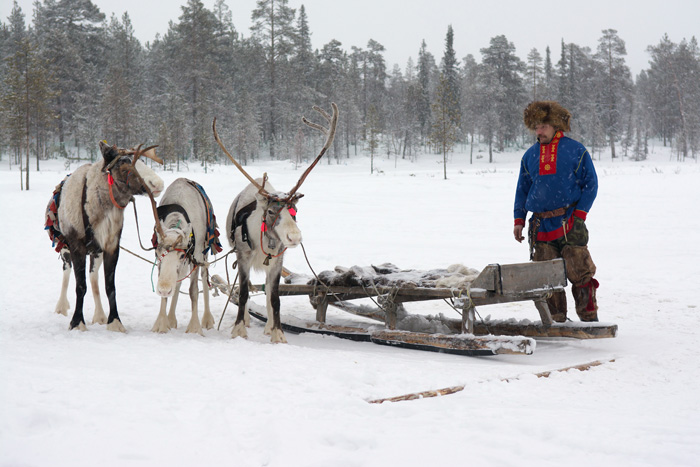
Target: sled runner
[390, 288]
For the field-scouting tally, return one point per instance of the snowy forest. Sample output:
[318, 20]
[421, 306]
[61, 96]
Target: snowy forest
[72, 77]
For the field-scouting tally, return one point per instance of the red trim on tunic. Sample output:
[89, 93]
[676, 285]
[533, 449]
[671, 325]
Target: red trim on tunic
[555, 234]
[548, 155]
[580, 214]
[519, 221]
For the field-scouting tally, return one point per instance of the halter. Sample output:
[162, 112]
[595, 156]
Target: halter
[110, 182]
[187, 255]
[263, 228]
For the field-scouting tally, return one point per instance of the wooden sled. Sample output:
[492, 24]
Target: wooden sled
[533, 281]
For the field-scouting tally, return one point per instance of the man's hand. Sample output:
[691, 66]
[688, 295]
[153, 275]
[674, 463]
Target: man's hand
[518, 233]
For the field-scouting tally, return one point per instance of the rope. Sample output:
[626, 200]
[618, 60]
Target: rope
[139, 257]
[138, 231]
[230, 294]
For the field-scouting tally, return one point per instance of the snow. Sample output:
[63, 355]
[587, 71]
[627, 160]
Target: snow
[71, 398]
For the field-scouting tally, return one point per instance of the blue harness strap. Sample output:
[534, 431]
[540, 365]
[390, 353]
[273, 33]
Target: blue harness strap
[212, 234]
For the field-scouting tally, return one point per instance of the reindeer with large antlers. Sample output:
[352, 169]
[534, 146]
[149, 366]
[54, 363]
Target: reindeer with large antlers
[85, 217]
[261, 208]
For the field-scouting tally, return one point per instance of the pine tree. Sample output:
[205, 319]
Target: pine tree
[26, 91]
[373, 131]
[507, 68]
[445, 128]
[615, 82]
[70, 39]
[450, 71]
[534, 73]
[274, 29]
[426, 64]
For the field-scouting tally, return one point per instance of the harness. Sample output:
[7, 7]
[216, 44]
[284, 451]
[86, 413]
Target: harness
[240, 219]
[58, 241]
[211, 233]
[163, 212]
[90, 244]
[211, 241]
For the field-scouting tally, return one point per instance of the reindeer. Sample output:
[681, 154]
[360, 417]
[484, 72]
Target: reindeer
[260, 207]
[185, 232]
[86, 216]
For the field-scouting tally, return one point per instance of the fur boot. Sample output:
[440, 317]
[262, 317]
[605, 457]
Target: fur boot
[586, 303]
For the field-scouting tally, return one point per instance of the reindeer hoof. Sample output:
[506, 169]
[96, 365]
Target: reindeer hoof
[80, 327]
[208, 321]
[62, 309]
[161, 326]
[277, 337]
[239, 330]
[194, 328]
[116, 326]
[99, 317]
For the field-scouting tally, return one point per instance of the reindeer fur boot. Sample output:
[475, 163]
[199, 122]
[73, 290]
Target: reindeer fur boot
[580, 270]
[586, 304]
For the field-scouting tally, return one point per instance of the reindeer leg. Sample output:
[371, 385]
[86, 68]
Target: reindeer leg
[110, 266]
[207, 318]
[62, 306]
[194, 325]
[95, 262]
[78, 259]
[239, 329]
[272, 292]
[161, 325]
[172, 319]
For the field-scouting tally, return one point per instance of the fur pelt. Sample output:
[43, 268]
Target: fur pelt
[547, 112]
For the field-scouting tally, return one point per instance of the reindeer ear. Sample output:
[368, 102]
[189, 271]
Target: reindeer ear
[108, 152]
[260, 198]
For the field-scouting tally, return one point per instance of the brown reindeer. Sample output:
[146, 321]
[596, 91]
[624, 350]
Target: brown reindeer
[261, 208]
[86, 216]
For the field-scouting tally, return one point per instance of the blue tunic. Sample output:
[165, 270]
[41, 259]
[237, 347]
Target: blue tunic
[571, 181]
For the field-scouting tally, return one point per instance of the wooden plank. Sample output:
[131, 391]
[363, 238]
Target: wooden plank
[576, 330]
[454, 389]
[573, 329]
[462, 344]
[523, 277]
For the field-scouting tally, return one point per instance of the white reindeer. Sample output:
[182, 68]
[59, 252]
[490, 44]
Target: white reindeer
[186, 231]
[85, 217]
[260, 226]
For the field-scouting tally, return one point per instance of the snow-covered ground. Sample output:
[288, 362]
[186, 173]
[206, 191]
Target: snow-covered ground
[70, 398]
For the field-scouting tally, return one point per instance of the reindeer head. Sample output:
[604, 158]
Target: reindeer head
[174, 253]
[127, 173]
[279, 222]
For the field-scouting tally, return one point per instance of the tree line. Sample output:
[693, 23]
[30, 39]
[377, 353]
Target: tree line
[74, 77]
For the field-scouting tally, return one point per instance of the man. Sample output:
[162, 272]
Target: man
[558, 184]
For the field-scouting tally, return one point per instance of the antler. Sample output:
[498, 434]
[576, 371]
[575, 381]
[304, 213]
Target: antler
[150, 153]
[330, 135]
[261, 190]
[329, 132]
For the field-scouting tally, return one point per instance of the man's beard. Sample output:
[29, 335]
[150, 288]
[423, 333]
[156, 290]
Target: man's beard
[543, 140]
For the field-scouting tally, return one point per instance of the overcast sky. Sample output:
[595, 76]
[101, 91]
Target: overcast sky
[401, 25]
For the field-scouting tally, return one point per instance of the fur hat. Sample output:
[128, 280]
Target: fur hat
[547, 112]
